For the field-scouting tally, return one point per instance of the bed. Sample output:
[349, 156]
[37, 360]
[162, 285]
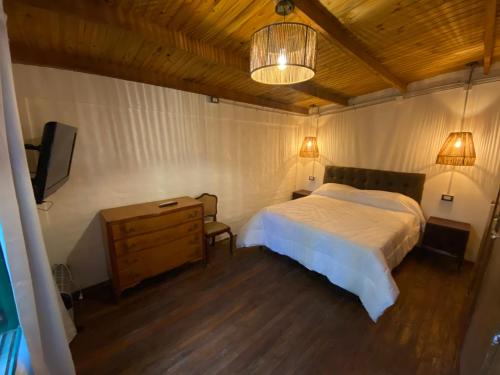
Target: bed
[354, 230]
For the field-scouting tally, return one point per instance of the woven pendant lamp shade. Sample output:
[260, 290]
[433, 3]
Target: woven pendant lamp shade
[458, 149]
[283, 53]
[309, 148]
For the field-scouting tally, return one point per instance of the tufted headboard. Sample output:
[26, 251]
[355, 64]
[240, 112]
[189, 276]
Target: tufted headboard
[410, 184]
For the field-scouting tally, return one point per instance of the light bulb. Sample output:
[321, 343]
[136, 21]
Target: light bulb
[282, 61]
[458, 143]
[309, 144]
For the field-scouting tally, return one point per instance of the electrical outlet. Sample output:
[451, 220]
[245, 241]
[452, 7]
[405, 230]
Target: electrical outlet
[312, 178]
[447, 197]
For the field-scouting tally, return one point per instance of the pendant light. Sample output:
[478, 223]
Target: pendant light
[283, 53]
[309, 148]
[458, 149]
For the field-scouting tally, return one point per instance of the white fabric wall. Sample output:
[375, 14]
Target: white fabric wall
[138, 143]
[406, 135]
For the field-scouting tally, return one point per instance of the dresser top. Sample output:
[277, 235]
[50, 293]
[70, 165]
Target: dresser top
[135, 211]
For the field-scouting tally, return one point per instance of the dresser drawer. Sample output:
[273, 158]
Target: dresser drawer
[139, 226]
[131, 276]
[144, 241]
[158, 259]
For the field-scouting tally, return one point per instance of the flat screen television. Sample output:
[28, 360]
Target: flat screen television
[54, 160]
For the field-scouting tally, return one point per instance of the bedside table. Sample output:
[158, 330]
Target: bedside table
[300, 193]
[446, 236]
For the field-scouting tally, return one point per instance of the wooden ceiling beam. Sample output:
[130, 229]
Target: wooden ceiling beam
[320, 92]
[28, 55]
[98, 12]
[334, 31]
[489, 34]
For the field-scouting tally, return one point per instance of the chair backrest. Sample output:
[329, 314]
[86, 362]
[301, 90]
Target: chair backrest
[209, 204]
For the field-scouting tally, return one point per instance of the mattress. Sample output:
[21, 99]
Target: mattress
[353, 237]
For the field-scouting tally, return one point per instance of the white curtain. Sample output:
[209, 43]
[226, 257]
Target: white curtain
[38, 304]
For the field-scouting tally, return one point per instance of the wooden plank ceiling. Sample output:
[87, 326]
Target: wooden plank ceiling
[203, 45]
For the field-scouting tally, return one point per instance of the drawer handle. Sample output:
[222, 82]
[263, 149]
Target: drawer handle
[129, 245]
[129, 262]
[129, 230]
[193, 227]
[192, 215]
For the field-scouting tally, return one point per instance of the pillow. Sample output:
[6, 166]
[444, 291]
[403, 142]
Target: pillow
[376, 198]
[333, 190]
[337, 191]
[391, 201]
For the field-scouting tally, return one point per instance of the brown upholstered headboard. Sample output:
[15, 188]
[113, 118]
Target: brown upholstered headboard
[410, 184]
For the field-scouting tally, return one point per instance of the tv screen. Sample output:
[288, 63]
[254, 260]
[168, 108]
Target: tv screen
[54, 161]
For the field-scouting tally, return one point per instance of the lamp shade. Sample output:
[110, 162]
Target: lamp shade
[283, 53]
[309, 148]
[458, 149]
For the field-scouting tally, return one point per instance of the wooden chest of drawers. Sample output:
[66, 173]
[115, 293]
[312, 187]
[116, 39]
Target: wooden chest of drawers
[144, 240]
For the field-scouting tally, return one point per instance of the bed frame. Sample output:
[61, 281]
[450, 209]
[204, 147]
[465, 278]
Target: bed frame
[410, 184]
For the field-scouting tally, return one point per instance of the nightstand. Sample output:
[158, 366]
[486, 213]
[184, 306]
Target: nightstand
[300, 193]
[446, 236]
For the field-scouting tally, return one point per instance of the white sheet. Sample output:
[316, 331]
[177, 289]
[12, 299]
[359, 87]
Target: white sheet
[354, 245]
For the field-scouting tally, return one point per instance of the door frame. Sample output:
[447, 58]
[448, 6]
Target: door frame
[478, 276]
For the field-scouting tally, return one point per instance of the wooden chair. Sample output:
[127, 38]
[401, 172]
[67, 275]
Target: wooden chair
[213, 228]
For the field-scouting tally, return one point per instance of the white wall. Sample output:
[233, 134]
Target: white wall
[138, 143]
[406, 135]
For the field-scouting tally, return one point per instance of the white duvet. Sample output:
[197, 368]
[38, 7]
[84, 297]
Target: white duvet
[353, 237]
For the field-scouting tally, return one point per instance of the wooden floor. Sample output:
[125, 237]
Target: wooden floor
[261, 313]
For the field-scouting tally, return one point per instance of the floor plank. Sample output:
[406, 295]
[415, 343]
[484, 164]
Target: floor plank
[261, 313]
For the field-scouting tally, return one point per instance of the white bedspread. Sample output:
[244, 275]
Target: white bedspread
[355, 245]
